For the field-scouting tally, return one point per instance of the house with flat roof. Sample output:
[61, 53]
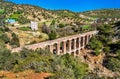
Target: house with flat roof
[34, 25]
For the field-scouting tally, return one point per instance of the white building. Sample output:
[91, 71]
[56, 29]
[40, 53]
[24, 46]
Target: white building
[34, 25]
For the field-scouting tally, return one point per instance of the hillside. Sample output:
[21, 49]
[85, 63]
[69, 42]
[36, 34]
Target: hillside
[50, 22]
[38, 14]
[103, 13]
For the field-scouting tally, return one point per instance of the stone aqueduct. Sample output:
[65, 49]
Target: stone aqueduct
[70, 44]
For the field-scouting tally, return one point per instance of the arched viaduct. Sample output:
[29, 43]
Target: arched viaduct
[70, 44]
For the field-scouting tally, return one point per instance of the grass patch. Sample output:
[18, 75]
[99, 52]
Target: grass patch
[15, 16]
[25, 28]
[86, 27]
[2, 11]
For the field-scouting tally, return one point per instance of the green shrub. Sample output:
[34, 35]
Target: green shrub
[25, 29]
[86, 27]
[61, 25]
[96, 45]
[7, 60]
[113, 64]
[14, 42]
[52, 35]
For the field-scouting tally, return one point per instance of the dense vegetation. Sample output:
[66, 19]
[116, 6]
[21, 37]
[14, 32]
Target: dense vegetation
[104, 43]
[5, 39]
[62, 30]
[63, 67]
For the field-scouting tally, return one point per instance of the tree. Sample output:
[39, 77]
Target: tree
[45, 29]
[5, 38]
[52, 35]
[61, 25]
[113, 64]
[53, 22]
[15, 40]
[96, 45]
[106, 49]
[7, 60]
[80, 70]
[106, 33]
[2, 44]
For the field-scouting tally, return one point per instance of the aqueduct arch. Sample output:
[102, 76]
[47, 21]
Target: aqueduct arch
[71, 44]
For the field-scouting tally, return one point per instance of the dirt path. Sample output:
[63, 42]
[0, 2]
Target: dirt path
[29, 74]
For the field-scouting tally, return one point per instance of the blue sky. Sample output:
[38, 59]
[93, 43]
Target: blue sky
[73, 5]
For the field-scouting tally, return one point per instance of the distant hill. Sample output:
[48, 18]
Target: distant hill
[105, 13]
